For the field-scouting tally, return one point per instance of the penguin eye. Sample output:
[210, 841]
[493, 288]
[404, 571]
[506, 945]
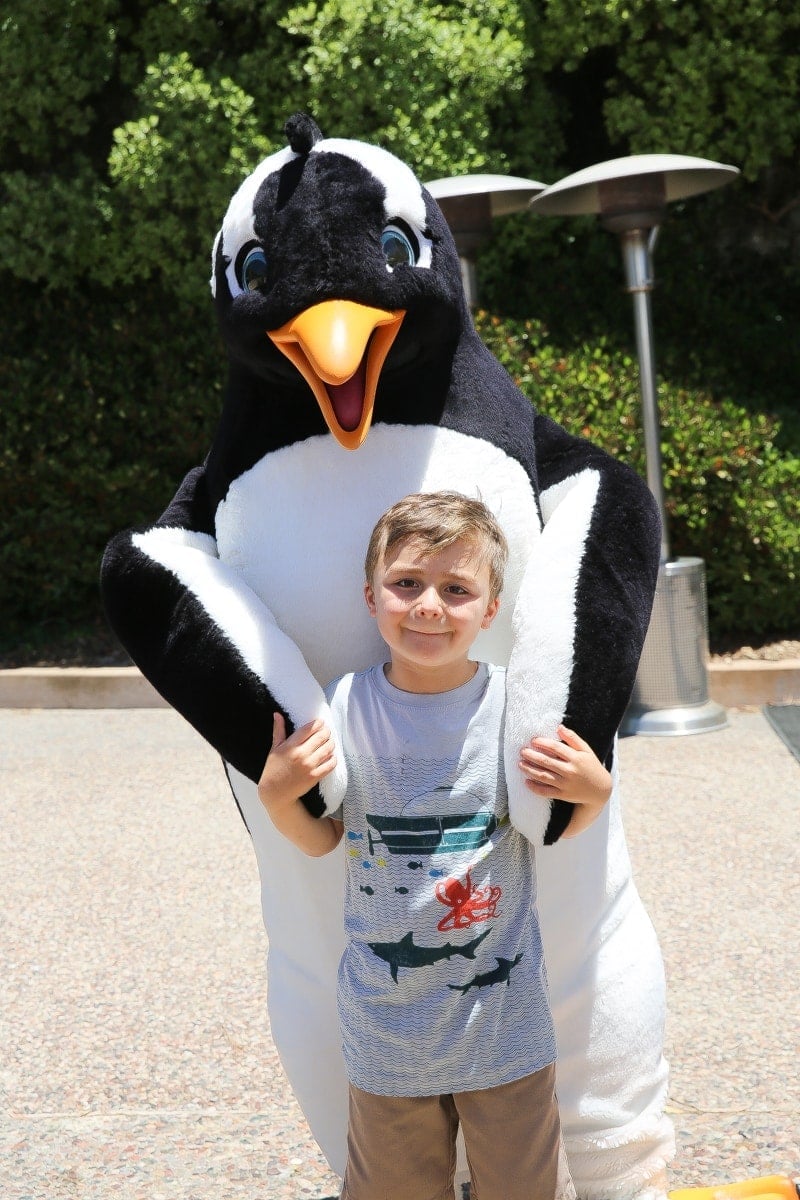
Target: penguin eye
[253, 272]
[400, 247]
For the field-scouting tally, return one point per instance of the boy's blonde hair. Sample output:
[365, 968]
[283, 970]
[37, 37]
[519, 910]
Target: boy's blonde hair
[435, 520]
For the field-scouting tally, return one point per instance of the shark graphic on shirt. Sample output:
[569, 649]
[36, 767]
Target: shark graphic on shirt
[500, 974]
[406, 953]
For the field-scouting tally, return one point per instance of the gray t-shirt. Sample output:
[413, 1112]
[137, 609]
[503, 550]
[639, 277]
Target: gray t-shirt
[442, 984]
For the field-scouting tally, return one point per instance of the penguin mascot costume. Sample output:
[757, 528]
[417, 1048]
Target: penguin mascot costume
[355, 378]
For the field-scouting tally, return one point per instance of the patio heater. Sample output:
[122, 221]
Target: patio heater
[470, 203]
[630, 196]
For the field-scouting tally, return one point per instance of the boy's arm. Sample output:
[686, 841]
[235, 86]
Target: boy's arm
[294, 765]
[567, 770]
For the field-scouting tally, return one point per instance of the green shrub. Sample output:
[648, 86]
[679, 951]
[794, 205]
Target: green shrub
[125, 128]
[97, 427]
[724, 310]
[732, 494]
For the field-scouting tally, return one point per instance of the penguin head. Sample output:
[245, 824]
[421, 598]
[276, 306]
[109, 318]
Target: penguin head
[334, 271]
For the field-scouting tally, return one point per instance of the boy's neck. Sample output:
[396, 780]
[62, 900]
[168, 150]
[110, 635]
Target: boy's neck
[423, 683]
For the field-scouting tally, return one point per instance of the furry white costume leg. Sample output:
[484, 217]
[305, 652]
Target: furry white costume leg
[608, 994]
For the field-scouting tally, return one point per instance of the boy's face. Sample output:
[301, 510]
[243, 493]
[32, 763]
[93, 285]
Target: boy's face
[429, 609]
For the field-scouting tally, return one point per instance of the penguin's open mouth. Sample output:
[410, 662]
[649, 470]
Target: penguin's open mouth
[339, 347]
[347, 398]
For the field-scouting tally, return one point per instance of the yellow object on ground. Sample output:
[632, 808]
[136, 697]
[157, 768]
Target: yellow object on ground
[769, 1187]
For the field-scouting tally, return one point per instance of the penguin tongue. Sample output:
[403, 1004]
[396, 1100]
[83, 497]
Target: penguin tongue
[348, 398]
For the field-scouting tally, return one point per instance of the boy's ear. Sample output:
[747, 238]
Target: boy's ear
[491, 612]
[369, 596]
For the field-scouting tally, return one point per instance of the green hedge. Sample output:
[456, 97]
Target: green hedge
[97, 429]
[725, 311]
[125, 128]
[732, 487]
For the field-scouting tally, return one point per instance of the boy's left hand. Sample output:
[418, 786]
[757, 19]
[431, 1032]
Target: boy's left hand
[567, 769]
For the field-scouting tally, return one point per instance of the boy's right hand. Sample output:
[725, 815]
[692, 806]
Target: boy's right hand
[296, 763]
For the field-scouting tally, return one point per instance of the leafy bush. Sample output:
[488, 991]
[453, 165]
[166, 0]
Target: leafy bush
[732, 494]
[125, 128]
[422, 79]
[720, 75]
[94, 439]
[725, 315]
[97, 428]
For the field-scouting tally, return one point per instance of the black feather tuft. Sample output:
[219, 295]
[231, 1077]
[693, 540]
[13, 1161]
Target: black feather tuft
[302, 132]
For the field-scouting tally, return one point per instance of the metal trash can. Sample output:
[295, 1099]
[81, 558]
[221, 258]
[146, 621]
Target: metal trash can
[670, 695]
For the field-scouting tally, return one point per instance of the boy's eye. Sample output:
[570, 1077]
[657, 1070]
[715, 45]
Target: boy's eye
[458, 590]
[406, 583]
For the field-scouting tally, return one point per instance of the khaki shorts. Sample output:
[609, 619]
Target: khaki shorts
[404, 1147]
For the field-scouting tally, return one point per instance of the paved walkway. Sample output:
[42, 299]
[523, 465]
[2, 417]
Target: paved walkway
[137, 1059]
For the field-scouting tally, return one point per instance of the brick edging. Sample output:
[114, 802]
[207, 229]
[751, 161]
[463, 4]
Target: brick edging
[735, 684]
[77, 687]
[743, 682]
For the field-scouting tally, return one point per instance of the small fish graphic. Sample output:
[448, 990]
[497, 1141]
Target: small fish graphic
[370, 891]
[501, 974]
[406, 953]
[436, 874]
[354, 837]
[401, 891]
[414, 866]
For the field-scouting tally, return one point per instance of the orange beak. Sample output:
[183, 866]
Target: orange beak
[339, 348]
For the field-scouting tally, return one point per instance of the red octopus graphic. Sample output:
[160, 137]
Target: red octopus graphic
[468, 904]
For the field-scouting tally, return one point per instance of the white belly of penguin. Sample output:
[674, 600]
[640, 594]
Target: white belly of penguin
[296, 526]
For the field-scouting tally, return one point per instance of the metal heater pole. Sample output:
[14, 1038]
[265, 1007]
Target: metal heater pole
[630, 195]
[636, 246]
[670, 695]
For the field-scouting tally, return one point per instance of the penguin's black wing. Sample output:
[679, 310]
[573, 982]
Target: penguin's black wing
[201, 636]
[615, 584]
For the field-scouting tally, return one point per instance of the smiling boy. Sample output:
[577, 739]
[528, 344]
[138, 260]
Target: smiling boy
[442, 992]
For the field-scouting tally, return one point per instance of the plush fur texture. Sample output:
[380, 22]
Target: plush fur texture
[245, 596]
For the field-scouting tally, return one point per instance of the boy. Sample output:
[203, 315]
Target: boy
[442, 980]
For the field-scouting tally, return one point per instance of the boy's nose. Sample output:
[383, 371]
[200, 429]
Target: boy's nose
[429, 602]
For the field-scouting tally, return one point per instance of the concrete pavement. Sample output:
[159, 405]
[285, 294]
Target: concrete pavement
[138, 1062]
